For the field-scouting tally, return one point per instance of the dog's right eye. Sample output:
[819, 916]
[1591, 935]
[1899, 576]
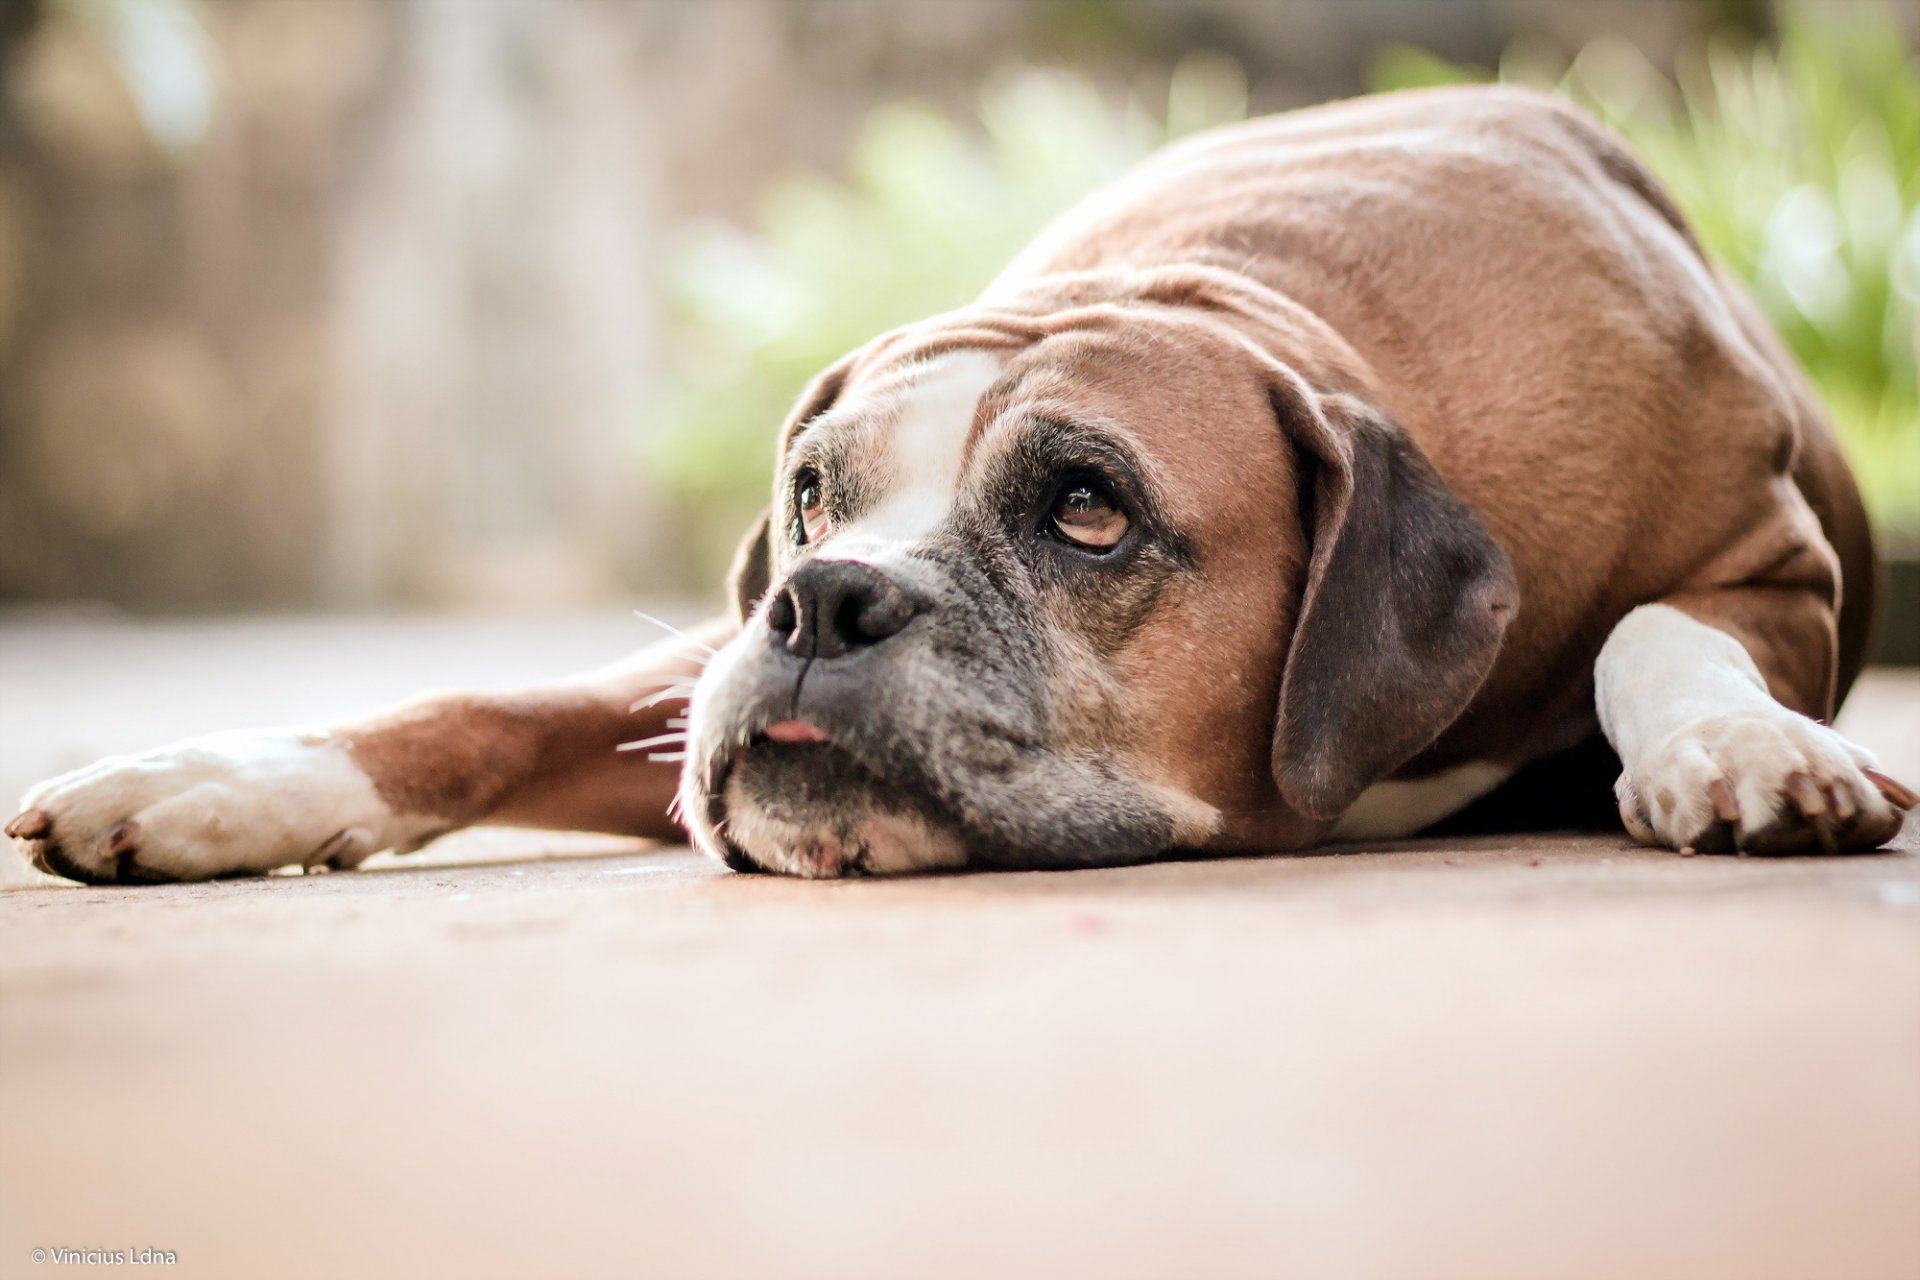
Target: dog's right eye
[811, 507]
[1086, 514]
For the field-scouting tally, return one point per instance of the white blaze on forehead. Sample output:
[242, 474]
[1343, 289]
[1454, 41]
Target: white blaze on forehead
[931, 420]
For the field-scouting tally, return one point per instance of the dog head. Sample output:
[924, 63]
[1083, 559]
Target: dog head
[1104, 571]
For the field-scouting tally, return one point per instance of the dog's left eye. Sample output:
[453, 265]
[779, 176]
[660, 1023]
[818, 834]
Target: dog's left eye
[812, 506]
[1086, 514]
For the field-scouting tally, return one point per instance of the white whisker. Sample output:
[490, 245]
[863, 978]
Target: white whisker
[641, 744]
[705, 648]
[667, 694]
[668, 757]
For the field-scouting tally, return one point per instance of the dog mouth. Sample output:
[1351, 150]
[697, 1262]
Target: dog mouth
[798, 800]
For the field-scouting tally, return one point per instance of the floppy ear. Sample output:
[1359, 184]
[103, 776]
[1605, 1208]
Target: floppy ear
[751, 574]
[1407, 598]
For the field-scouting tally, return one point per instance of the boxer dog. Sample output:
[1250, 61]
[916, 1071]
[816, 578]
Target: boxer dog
[1308, 484]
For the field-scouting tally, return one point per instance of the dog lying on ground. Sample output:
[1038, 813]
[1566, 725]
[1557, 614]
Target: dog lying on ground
[1313, 481]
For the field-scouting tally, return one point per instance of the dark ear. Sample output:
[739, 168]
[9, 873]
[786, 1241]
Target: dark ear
[1406, 601]
[751, 572]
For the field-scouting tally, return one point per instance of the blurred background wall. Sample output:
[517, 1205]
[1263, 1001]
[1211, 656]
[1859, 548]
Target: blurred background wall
[496, 303]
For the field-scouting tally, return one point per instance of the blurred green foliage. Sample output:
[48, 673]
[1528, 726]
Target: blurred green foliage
[1800, 166]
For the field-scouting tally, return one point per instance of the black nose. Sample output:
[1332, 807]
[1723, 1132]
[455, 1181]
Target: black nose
[830, 607]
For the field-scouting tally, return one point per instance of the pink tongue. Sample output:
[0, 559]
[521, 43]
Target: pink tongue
[795, 731]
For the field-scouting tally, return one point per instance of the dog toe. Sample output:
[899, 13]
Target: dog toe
[1767, 783]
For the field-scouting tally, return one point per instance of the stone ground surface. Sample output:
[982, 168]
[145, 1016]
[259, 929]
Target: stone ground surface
[1545, 1056]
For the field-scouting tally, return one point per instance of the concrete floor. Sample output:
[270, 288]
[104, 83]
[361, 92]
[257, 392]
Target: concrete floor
[1547, 1056]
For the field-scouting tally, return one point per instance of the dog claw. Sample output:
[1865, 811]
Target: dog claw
[1806, 795]
[1896, 793]
[1633, 814]
[1725, 804]
[34, 824]
[1845, 804]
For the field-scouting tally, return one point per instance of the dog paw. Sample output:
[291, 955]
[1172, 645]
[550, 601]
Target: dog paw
[1760, 781]
[228, 804]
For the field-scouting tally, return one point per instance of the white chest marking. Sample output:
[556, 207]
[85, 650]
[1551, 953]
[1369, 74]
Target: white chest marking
[1388, 810]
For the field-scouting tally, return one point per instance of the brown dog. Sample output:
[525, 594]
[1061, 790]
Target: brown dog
[1309, 483]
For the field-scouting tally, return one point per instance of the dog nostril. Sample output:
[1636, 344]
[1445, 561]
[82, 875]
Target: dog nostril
[846, 621]
[879, 616]
[780, 613]
[872, 609]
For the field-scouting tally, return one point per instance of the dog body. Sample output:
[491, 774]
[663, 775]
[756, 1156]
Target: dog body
[1310, 482]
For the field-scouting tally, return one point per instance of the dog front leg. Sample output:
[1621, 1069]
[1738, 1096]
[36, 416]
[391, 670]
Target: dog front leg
[1712, 760]
[253, 801]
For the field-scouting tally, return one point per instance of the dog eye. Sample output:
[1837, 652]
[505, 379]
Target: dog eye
[1086, 515]
[811, 506]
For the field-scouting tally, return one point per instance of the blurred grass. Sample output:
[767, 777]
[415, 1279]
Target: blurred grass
[1800, 167]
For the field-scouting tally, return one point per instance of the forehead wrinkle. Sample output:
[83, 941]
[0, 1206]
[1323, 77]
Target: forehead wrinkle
[1094, 435]
[843, 452]
[986, 333]
[993, 407]
[1076, 419]
[860, 421]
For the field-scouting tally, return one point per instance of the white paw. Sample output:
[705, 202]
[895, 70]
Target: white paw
[226, 804]
[1760, 780]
